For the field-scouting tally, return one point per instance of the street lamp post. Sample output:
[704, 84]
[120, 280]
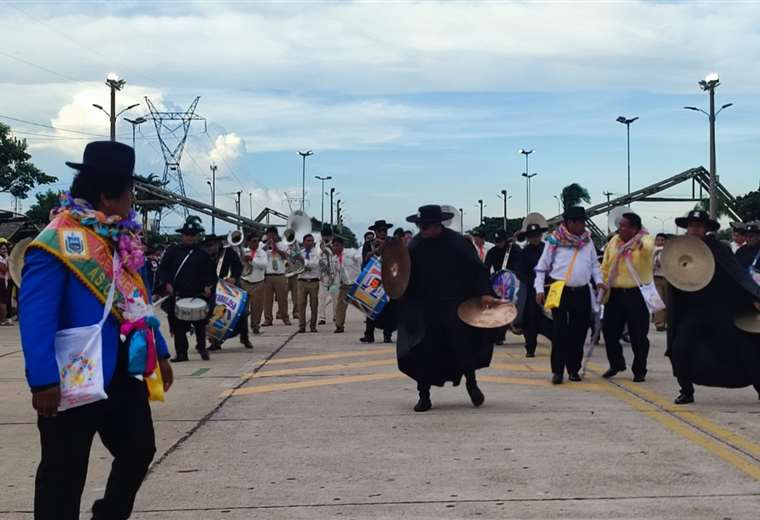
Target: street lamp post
[559, 204]
[135, 123]
[114, 82]
[238, 193]
[213, 168]
[304, 155]
[250, 201]
[505, 197]
[480, 202]
[461, 219]
[340, 224]
[708, 84]
[527, 190]
[332, 193]
[323, 179]
[627, 122]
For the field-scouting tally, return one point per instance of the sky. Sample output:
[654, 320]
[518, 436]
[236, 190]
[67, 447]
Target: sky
[402, 103]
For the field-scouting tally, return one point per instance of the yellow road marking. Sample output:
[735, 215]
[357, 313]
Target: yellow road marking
[262, 389]
[516, 367]
[537, 382]
[322, 368]
[320, 357]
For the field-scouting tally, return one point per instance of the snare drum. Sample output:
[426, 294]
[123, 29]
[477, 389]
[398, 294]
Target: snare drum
[191, 309]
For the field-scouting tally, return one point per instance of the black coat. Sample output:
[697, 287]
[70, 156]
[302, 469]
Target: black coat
[434, 345]
[495, 258]
[746, 256]
[198, 272]
[231, 266]
[704, 345]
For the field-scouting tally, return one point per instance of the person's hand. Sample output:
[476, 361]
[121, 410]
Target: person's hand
[540, 298]
[230, 280]
[167, 375]
[169, 289]
[207, 292]
[46, 401]
[487, 301]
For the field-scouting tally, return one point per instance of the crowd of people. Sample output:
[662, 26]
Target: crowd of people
[95, 355]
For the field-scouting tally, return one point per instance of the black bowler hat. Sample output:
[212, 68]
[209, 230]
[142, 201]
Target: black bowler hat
[698, 215]
[574, 213]
[108, 158]
[752, 227]
[501, 235]
[380, 224]
[430, 214]
[192, 226]
[739, 227]
[208, 239]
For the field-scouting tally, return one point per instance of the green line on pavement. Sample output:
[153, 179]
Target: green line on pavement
[199, 372]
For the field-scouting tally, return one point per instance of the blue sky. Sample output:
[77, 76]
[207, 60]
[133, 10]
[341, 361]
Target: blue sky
[403, 103]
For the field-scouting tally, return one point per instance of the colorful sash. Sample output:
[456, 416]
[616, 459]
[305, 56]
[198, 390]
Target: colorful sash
[89, 257]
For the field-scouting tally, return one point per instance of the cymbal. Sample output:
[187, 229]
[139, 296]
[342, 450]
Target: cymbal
[499, 315]
[396, 268]
[687, 263]
[16, 260]
[748, 322]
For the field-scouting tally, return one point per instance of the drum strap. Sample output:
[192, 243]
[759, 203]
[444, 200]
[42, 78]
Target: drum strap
[181, 265]
[506, 258]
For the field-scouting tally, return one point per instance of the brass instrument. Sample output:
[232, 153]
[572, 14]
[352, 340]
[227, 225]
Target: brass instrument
[299, 225]
[235, 239]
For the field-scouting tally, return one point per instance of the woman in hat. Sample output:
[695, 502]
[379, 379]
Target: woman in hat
[88, 254]
[434, 346]
[704, 344]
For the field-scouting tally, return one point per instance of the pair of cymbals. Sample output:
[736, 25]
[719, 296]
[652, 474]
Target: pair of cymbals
[498, 315]
[687, 263]
[16, 260]
[748, 322]
[396, 268]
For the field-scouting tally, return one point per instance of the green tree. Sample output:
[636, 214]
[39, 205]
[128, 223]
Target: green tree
[39, 212]
[491, 225]
[573, 194]
[18, 176]
[748, 206]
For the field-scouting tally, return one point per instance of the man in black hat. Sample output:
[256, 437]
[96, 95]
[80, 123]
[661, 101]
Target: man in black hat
[705, 346]
[738, 235]
[534, 321]
[370, 249]
[749, 253]
[434, 346]
[570, 257]
[229, 267]
[503, 255]
[187, 271]
[479, 242]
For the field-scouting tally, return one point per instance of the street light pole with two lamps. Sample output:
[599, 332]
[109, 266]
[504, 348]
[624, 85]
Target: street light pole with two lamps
[304, 155]
[627, 122]
[323, 179]
[114, 82]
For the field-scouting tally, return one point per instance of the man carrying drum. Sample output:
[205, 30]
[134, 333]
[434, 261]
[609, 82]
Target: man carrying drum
[189, 276]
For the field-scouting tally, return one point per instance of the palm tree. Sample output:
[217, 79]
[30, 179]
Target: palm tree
[573, 195]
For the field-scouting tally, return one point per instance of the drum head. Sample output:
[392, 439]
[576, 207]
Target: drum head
[474, 315]
[506, 285]
[396, 268]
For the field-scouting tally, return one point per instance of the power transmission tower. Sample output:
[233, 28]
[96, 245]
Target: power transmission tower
[176, 125]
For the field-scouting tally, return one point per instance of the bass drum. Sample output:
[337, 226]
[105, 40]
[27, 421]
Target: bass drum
[230, 307]
[507, 286]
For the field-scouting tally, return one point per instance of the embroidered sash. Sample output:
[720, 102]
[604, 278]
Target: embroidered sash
[89, 257]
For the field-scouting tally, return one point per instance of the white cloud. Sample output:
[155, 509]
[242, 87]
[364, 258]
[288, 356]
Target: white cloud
[227, 147]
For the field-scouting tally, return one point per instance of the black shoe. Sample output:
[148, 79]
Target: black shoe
[301, 329]
[476, 396]
[499, 342]
[203, 352]
[387, 338]
[179, 359]
[214, 346]
[611, 373]
[313, 329]
[256, 331]
[322, 322]
[557, 379]
[423, 405]
[247, 344]
[367, 339]
[530, 353]
[639, 378]
[267, 324]
[575, 377]
[626, 338]
[684, 398]
[339, 330]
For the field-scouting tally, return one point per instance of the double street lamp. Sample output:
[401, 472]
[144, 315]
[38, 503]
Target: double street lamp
[114, 82]
[708, 85]
[627, 122]
[323, 179]
[304, 155]
[505, 198]
[527, 176]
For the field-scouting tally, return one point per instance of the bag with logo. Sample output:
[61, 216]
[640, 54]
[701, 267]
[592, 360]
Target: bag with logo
[79, 354]
[554, 296]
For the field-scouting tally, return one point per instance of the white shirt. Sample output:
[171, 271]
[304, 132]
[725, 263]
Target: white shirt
[259, 262]
[275, 262]
[349, 265]
[555, 262]
[311, 264]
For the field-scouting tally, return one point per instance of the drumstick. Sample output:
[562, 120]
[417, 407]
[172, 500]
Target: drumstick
[159, 301]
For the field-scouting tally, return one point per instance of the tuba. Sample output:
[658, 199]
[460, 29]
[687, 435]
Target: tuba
[298, 226]
[235, 239]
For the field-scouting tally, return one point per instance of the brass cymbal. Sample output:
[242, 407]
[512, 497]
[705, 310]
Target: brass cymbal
[499, 315]
[748, 322]
[687, 263]
[16, 260]
[396, 268]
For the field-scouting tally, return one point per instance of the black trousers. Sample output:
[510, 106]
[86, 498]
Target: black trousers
[125, 426]
[181, 328]
[423, 387]
[626, 307]
[571, 323]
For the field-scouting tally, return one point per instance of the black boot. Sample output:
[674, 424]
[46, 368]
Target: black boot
[369, 332]
[423, 404]
[476, 396]
[203, 352]
[387, 337]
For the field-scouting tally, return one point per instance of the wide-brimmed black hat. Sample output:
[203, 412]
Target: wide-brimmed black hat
[738, 227]
[698, 215]
[752, 227]
[574, 213]
[531, 229]
[501, 235]
[380, 224]
[107, 157]
[192, 226]
[429, 214]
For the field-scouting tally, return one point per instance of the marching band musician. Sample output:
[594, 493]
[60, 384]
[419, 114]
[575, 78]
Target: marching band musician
[534, 320]
[630, 248]
[434, 346]
[275, 282]
[308, 285]
[704, 344]
[380, 229]
[738, 236]
[660, 318]
[229, 267]
[479, 242]
[328, 275]
[187, 271]
[749, 253]
[255, 265]
[503, 255]
[349, 263]
[570, 257]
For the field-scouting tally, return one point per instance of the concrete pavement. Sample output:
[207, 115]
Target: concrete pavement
[321, 426]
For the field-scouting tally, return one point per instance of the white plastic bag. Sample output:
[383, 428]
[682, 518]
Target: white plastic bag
[79, 353]
[648, 291]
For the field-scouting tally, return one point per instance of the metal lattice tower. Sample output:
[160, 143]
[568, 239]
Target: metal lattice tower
[177, 125]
